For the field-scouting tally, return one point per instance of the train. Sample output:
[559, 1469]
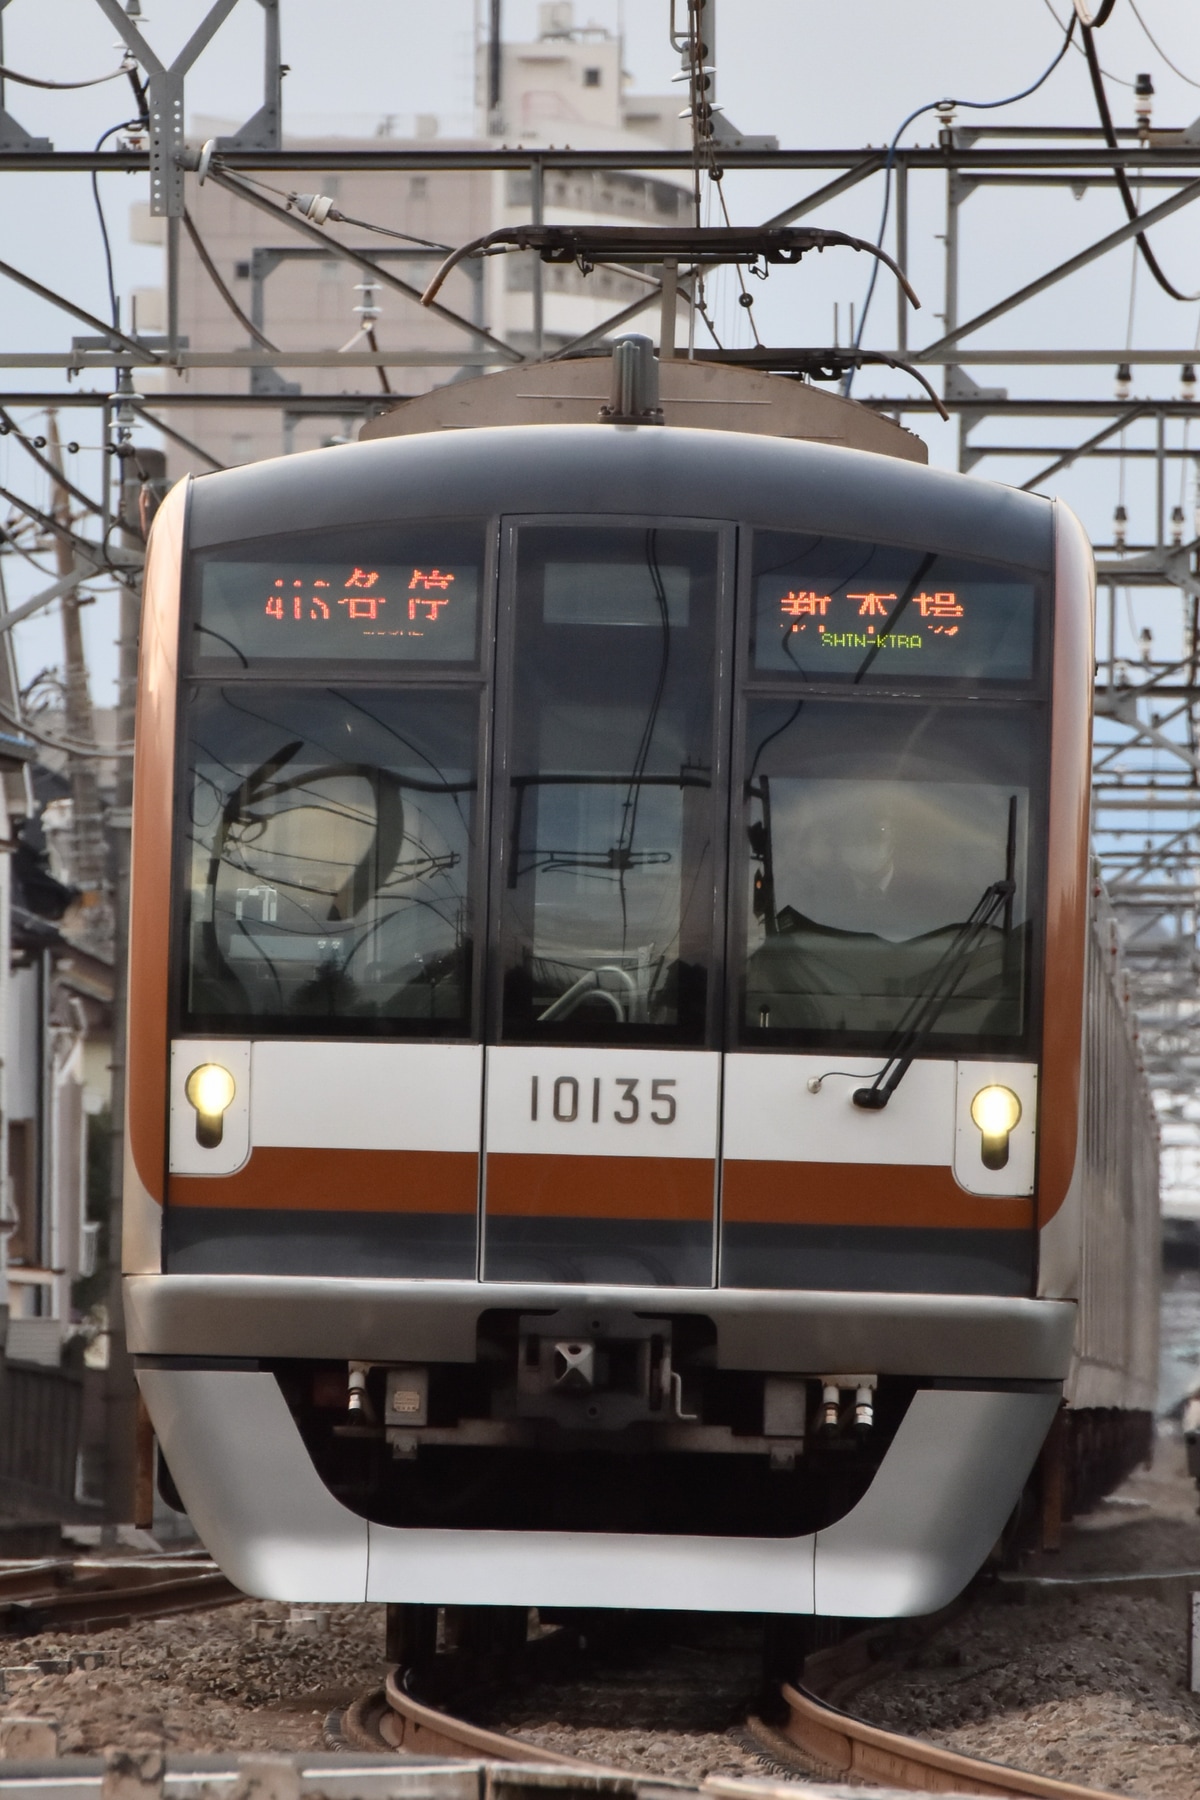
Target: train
[630, 1102]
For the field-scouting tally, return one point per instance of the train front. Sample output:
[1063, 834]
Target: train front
[607, 957]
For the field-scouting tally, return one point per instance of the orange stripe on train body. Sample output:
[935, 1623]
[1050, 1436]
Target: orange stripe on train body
[600, 1187]
[900, 1194]
[305, 1180]
[151, 854]
[1067, 861]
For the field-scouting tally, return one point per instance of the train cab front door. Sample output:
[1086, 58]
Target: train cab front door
[602, 1072]
[330, 849]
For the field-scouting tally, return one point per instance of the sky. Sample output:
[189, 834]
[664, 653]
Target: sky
[812, 73]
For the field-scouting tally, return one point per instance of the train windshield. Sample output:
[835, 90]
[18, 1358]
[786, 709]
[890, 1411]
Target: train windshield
[889, 853]
[330, 840]
[608, 897]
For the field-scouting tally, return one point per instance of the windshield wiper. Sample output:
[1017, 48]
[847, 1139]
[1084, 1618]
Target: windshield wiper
[916, 1027]
[927, 1009]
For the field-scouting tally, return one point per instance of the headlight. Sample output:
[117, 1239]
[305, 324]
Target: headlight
[995, 1111]
[210, 1088]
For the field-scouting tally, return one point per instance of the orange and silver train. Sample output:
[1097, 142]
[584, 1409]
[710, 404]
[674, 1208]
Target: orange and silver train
[627, 1103]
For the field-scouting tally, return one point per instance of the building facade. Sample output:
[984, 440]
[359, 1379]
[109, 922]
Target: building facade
[565, 88]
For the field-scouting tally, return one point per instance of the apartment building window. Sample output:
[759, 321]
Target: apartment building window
[22, 1173]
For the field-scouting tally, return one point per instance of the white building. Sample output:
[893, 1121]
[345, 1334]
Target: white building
[567, 89]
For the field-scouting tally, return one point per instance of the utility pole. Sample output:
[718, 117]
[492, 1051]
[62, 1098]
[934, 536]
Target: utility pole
[89, 847]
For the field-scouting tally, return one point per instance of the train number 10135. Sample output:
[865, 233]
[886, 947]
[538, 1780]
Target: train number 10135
[567, 1100]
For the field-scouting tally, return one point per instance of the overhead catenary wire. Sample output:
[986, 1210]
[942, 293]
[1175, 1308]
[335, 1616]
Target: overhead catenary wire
[1121, 460]
[889, 165]
[37, 81]
[1078, 48]
[1174, 67]
[215, 276]
[704, 150]
[114, 306]
[1122, 180]
[96, 554]
[235, 185]
[32, 446]
[64, 744]
[318, 209]
[141, 123]
[405, 237]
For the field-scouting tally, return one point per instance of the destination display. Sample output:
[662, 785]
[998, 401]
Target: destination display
[419, 602]
[826, 609]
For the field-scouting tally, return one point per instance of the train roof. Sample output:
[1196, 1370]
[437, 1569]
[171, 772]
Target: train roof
[708, 396]
[634, 471]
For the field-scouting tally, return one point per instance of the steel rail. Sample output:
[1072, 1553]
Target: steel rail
[389, 1719]
[94, 1608]
[415, 1728]
[88, 1593]
[849, 1746]
[825, 1736]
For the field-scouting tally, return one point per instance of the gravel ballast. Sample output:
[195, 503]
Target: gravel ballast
[676, 1705]
[1086, 1685]
[251, 1676]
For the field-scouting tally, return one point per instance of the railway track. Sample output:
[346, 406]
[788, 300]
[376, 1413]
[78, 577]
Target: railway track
[847, 1747]
[92, 1593]
[816, 1740]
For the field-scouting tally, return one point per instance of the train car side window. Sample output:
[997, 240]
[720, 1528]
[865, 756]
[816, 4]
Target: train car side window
[373, 595]
[330, 837]
[830, 609]
[607, 909]
[891, 857]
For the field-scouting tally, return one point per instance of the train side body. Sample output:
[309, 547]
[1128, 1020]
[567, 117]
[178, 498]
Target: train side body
[544, 832]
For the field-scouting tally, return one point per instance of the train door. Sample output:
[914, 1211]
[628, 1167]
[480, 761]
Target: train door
[602, 1077]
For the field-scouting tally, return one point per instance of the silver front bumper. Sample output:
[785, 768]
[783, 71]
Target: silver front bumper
[940, 1500]
[960, 1336]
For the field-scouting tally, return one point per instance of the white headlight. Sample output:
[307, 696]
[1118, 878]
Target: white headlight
[996, 1112]
[210, 1089]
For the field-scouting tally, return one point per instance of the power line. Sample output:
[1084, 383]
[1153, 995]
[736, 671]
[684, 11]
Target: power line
[1108, 74]
[1122, 180]
[36, 81]
[114, 306]
[214, 275]
[33, 447]
[65, 744]
[96, 555]
[1174, 67]
[933, 106]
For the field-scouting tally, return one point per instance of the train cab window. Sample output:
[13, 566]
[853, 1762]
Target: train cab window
[366, 595]
[607, 906]
[891, 857]
[330, 840]
[830, 609]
